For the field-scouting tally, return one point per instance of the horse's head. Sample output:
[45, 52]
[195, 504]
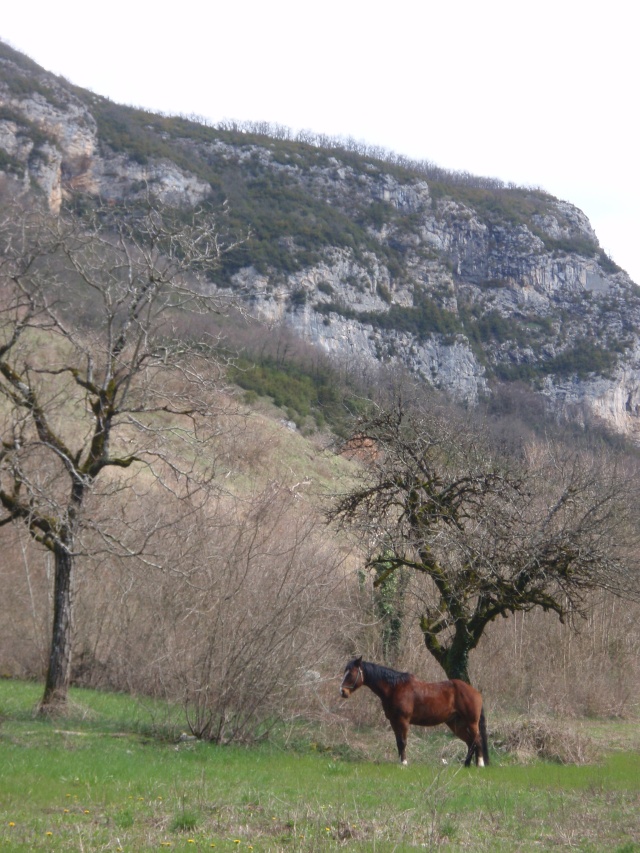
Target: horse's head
[353, 677]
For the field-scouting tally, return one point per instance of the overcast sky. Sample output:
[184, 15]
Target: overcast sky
[540, 94]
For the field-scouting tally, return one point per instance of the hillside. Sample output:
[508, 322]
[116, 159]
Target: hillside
[368, 256]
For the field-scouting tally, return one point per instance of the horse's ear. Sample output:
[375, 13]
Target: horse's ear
[358, 661]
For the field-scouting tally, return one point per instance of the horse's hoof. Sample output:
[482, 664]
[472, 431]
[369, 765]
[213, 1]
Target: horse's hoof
[404, 763]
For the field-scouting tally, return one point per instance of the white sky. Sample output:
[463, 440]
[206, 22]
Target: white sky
[542, 94]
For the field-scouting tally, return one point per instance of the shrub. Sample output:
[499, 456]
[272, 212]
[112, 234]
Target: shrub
[607, 263]
[303, 390]
[536, 738]
[425, 317]
[583, 358]
[256, 622]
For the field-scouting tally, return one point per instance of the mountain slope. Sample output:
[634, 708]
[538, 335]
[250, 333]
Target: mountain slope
[369, 256]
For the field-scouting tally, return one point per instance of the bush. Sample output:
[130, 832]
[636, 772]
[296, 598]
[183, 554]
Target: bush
[301, 390]
[583, 358]
[607, 263]
[424, 318]
[231, 626]
[530, 739]
[257, 624]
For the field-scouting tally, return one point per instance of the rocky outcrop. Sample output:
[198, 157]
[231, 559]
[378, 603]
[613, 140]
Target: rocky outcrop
[52, 137]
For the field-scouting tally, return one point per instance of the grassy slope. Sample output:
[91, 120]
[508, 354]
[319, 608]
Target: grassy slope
[99, 781]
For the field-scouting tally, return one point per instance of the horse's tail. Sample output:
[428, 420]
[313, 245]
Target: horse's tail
[482, 725]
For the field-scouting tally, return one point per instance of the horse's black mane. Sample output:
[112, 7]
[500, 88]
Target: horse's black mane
[377, 672]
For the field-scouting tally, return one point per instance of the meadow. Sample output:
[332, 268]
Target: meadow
[116, 775]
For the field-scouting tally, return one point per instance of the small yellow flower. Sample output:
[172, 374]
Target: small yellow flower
[86, 811]
[48, 833]
[11, 823]
[65, 811]
[191, 841]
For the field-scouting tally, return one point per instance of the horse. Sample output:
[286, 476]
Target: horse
[407, 700]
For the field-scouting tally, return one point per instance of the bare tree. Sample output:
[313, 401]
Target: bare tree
[92, 328]
[494, 533]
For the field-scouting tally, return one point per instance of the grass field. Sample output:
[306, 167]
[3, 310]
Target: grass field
[112, 776]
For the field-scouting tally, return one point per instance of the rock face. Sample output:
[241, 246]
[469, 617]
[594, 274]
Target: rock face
[52, 140]
[465, 281]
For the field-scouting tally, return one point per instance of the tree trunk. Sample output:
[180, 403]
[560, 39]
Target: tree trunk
[454, 658]
[59, 671]
[456, 663]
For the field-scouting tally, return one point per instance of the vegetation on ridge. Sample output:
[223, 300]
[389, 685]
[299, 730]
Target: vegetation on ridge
[306, 198]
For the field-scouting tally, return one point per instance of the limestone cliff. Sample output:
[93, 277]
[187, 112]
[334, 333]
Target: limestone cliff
[467, 282]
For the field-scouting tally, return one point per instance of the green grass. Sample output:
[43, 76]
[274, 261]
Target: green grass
[98, 781]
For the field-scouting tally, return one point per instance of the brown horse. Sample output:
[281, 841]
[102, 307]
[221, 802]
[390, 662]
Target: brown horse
[407, 700]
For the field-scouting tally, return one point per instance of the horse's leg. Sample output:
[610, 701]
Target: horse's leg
[477, 741]
[470, 734]
[478, 747]
[400, 727]
[484, 745]
[469, 738]
[475, 745]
